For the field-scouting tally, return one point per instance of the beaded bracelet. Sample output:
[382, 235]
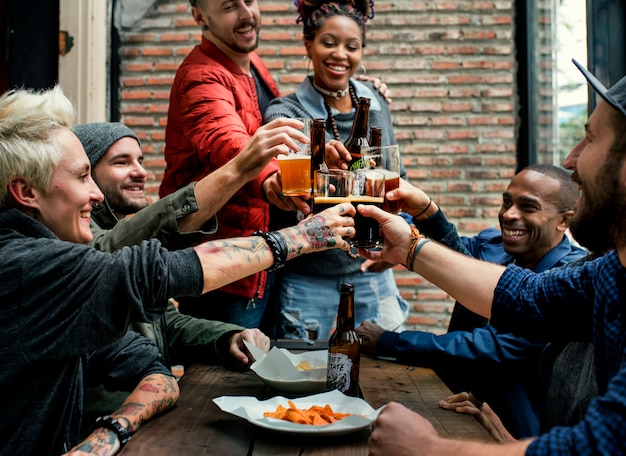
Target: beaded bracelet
[416, 245]
[278, 246]
[430, 203]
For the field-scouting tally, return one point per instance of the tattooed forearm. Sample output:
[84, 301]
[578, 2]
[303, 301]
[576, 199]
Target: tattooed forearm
[141, 404]
[246, 250]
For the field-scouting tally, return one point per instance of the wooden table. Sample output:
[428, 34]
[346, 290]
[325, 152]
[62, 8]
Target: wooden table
[196, 426]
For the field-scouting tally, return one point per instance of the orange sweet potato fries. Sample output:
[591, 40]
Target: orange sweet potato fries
[316, 415]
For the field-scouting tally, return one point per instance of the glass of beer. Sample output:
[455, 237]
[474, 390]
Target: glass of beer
[386, 159]
[295, 168]
[368, 188]
[331, 187]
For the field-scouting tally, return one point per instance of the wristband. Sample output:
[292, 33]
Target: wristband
[277, 245]
[417, 242]
[114, 425]
[430, 202]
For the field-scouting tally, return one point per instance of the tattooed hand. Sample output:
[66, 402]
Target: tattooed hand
[327, 230]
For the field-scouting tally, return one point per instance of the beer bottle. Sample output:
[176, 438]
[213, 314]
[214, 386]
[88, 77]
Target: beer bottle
[318, 144]
[344, 347]
[376, 137]
[318, 151]
[357, 139]
[376, 140]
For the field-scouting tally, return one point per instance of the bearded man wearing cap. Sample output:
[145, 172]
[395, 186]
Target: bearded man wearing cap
[584, 303]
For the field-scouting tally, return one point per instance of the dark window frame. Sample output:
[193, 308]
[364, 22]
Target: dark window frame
[606, 57]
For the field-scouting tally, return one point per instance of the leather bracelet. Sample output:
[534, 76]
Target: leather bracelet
[114, 425]
[416, 245]
[277, 245]
[430, 203]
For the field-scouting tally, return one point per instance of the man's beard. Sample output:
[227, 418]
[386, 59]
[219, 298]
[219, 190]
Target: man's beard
[599, 221]
[232, 45]
[122, 205]
[245, 50]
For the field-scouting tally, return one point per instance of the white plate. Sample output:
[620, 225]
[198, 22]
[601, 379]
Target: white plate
[303, 386]
[279, 369]
[252, 410]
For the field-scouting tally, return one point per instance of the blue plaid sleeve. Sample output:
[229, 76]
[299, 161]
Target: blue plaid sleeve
[572, 303]
[532, 304]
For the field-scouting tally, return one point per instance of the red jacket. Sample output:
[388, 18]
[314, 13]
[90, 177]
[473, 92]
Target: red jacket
[213, 113]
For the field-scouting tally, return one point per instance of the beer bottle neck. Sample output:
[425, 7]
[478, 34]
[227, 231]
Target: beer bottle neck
[359, 126]
[318, 144]
[375, 137]
[345, 315]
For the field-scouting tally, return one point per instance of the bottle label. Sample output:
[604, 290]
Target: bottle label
[339, 368]
[357, 164]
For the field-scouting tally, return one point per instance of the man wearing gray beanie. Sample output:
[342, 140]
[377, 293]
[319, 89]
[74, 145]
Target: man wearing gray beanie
[98, 137]
[187, 216]
[181, 219]
[119, 176]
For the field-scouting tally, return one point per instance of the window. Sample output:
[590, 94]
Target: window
[552, 93]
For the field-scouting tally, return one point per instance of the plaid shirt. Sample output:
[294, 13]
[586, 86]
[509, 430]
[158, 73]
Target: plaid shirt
[584, 303]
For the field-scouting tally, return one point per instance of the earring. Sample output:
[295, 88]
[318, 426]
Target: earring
[363, 69]
[204, 27]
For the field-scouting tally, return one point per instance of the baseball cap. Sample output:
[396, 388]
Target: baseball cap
[615, 96]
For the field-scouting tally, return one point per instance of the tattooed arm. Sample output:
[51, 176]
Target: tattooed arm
[227, 260]
[154, 394]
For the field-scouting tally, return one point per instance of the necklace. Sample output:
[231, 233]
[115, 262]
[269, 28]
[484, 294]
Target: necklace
[336, 94]
[331, 119]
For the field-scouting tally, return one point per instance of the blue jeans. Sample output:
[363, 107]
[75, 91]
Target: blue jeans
[309, 303]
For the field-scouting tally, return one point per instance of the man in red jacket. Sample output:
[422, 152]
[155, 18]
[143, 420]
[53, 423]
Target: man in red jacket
[219, 94]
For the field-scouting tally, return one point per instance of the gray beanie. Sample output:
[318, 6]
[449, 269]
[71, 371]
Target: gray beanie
[98, 137]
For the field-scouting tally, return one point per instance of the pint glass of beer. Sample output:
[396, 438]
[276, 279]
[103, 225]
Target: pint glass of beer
[295, 168]
[368, 188]
[331, 187]
[386, 159]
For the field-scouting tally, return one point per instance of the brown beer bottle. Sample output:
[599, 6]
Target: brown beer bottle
[376, 140]
[358, 139]
[376, 137]
[344, 348]
[318, 144]
[318, 150]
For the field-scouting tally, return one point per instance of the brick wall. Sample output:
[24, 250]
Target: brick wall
[450, 66]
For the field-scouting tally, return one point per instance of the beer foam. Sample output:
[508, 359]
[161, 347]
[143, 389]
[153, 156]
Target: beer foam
[294, 157]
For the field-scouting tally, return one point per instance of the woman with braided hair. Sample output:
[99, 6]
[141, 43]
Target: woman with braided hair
[308, 291]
